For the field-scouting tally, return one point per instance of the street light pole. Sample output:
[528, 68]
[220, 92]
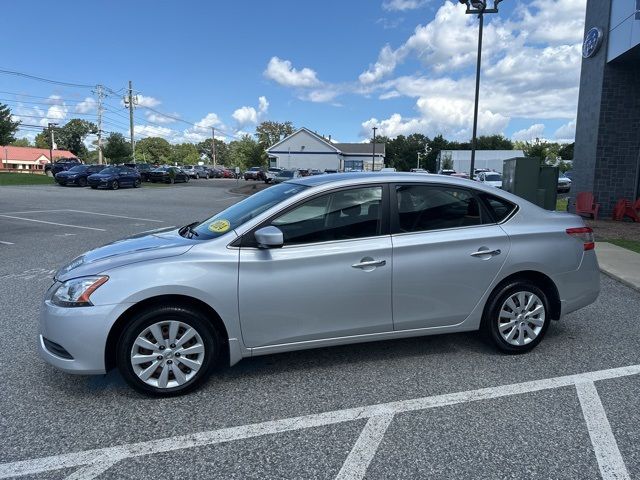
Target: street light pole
[373, 158]
[477, 7]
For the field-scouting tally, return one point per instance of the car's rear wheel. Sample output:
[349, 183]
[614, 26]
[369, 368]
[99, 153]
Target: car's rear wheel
[115, 185]
[82, 182]
[517, 317]
[136, 183]
[167, 350]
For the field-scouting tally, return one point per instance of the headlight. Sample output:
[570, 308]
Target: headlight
[76, 292]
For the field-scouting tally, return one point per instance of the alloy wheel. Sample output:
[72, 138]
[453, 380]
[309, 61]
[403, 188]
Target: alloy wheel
[115, 185]
[167, 354]
[521, 318]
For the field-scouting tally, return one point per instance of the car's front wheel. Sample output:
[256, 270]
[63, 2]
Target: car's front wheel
[167, 350]
[115, 185]
[517, 317]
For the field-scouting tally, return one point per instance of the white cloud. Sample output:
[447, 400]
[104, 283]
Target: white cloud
[249, 115]
[528, 134]
[402, 5]
[387, 61]
[566, 132]
[282, 72]
[86, 106]
[156, 118]
[146, 101]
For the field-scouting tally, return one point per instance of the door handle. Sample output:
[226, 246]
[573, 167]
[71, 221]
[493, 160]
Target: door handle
[479, 253]
[370, 263]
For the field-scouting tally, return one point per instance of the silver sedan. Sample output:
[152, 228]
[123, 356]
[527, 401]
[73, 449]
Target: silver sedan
[361, 257]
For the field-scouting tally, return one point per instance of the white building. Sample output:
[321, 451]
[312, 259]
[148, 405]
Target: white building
[491, 159]
[304, 149]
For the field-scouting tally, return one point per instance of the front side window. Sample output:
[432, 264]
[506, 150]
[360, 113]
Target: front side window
[342, 215]
[436, 207]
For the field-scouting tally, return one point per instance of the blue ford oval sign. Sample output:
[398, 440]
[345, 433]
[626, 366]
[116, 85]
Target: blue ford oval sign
[592, 42]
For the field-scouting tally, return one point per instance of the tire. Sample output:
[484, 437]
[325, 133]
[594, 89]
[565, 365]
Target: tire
[49, 173]
[137, 183]
[94, 187]
[115, 185]
[158, 318]
[498, 313]
[197, 177]
[172, 181]
[82, 182]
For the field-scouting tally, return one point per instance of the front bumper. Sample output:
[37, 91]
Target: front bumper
[81, 331]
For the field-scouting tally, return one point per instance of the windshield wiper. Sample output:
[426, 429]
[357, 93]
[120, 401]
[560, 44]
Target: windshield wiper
[189, 229]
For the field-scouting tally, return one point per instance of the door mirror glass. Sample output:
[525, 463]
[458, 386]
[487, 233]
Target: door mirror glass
[269, 237]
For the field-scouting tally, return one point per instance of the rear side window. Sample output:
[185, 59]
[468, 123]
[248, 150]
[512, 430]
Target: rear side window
[499, 208]
[435, 207]
[342, 215]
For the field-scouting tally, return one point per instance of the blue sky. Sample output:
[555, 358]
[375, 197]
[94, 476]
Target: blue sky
[337, 67]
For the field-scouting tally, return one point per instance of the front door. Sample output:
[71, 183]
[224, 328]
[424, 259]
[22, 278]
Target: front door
[446, 253]
[332, 277]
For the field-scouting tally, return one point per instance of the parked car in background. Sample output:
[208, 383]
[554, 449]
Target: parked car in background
[77, 175]
[460, 175]
[446, 171]
[142, 168]
[168, 175]
[203, 171]
[271, 174]
[191, 171]
[493, 179]
[255, 173]
[285, 175]
[419, 170]
[568, 174]
[114, 178]
[387, 170]
[330, 170]
[317, 172]
[60, 165]
[165, 308]
[564, 183]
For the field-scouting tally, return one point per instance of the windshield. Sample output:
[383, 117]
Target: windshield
[494, 177]
[78, 168]
[161, 169]
[110, 170]
[243, 211]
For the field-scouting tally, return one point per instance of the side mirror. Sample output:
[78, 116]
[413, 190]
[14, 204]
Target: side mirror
[269, 237]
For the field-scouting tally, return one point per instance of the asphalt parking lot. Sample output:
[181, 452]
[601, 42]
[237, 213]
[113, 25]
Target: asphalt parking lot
[443, 407]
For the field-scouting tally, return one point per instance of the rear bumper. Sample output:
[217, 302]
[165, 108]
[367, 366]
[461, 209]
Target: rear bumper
[581, 287]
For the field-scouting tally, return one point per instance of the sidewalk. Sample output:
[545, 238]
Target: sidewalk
[619, 263]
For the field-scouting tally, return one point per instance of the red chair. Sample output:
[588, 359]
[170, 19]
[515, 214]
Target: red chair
[636, 206]
[585, 204]
[623, 209]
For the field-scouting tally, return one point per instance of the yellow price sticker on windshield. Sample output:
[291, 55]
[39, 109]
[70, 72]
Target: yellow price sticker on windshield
[219, 226]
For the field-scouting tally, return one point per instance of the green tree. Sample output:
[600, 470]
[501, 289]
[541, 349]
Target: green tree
[246, 153]
[153, 150]
[566, 151]
[72, 134]
[185, 154]
[402, 152]
[21, 142]
[222, 151]
[8, 127]
[493, 142]
[43, 140]
[116, 148]
[436, 145]
[270, 132]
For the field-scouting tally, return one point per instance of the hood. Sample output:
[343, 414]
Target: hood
[138, 248]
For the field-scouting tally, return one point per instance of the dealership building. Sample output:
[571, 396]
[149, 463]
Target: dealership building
[607, 150]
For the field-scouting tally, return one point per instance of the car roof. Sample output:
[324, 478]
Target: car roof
[363, 177]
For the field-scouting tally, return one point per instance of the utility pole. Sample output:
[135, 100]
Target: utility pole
[51, 125]
[373, 158]
[213, 146]
[100, 94]
[131, 101]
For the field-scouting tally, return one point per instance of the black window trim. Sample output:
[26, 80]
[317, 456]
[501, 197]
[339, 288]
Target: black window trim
[247, 240]
[394, 214]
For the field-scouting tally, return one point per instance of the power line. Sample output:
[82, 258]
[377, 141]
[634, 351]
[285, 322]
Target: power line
[47, 80]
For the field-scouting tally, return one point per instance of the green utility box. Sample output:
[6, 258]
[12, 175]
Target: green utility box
[530, 179]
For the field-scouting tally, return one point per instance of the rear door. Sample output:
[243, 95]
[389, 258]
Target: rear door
[446, 252]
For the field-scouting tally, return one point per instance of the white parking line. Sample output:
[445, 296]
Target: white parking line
[54, 223]
[365, 448]
[83, 211]
[610, 460]
[6, 243]
[114, 454]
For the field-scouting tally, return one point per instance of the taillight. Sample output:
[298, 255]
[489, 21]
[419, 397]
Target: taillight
[585, 235]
